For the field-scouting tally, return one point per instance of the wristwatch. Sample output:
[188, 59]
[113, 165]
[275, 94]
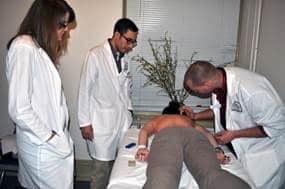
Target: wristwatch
[218, 149]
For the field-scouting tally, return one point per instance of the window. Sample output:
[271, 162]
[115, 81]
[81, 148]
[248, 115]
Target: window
[208, 27]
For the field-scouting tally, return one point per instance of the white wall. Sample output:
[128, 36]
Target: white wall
[270, 47]
[95, 24]
[247, 19]
[11, 13]
[271, 51]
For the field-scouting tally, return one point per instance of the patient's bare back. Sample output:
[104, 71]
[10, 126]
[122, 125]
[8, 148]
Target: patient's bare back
[171, 120]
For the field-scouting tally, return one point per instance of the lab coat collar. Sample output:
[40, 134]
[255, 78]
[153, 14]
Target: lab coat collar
[114, 51]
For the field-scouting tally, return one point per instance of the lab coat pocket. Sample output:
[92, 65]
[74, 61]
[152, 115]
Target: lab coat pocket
[60, 145]
[261, 166]
[104, 122]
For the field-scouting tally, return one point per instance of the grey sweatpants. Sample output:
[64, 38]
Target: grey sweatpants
[171, 147]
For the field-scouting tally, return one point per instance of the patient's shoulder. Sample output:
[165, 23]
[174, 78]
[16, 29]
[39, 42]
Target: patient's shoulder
[165, 121]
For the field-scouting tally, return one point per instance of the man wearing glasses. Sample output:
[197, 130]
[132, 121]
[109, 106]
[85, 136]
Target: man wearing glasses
[104, 104]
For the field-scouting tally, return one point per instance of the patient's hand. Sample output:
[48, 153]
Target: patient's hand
[223, 159]
[142, 154]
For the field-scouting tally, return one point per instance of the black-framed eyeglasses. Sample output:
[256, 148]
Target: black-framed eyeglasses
[130, 40]
[63, 23]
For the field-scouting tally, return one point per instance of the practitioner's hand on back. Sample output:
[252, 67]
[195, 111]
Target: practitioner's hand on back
[186, 110]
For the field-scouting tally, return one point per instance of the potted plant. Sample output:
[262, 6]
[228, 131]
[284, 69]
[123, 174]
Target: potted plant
[161, 72]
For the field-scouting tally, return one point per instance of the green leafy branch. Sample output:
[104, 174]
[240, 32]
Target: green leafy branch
[162, 71]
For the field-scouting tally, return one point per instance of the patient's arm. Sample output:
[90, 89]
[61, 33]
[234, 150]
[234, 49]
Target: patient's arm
[142, 151]
[207, 134]
[223, 159]
[145, 132]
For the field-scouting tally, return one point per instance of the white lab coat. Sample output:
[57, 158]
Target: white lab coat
[252, 101]
[104, 101]
[37, 105]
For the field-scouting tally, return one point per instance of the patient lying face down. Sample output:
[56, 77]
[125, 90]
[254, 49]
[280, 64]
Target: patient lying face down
[171, 118]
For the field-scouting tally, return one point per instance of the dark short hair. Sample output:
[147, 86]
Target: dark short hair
[124, 24]
[199, 72]
[172, 108]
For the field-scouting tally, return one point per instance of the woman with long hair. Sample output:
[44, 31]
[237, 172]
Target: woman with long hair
[37, 103]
